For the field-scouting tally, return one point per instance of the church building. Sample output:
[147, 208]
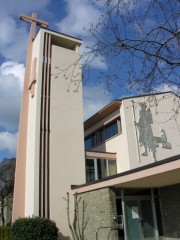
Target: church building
[132, 189]
[122, 164]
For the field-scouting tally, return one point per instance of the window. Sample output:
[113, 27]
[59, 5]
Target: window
[111, 130]
[90, 170]
[91, 141]
[94, 139]
[88, 143]
[102, 134]
[112, 167]
[99, 168]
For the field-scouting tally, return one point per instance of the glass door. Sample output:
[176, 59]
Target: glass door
[147, 222]
[133, 220]
[139, 220]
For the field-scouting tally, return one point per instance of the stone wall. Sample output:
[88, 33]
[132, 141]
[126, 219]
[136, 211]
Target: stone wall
[170, 207]
[98, 212]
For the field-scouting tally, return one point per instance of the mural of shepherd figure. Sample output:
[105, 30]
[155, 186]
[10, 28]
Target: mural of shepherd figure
[146, 138]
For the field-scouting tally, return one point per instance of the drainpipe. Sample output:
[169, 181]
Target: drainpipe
[124, 214]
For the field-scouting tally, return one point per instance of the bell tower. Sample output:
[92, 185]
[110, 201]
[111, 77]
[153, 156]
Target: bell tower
[50, 154]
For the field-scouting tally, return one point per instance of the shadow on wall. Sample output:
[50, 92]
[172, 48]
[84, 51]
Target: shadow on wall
[61, 237]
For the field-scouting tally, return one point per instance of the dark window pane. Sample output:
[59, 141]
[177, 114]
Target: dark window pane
[90, 170]
[88, 143]
[94, 141]
[104, 168]
[111, 130]
[99, 168]
[102, 135]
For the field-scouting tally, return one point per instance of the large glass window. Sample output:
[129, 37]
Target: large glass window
[102, 134]
[99, 168]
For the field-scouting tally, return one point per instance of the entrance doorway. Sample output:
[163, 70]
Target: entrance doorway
[140, 212]
[139, 220]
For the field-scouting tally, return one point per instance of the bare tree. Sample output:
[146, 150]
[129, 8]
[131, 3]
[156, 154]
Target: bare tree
[79, 223]
[7, 171]
[140, 41]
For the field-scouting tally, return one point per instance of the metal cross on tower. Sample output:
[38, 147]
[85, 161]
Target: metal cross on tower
[34, 21]
[29, 83]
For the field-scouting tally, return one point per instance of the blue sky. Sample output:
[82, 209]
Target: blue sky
[67, 16]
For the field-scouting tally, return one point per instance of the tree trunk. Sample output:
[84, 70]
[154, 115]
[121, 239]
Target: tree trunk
[2, 213]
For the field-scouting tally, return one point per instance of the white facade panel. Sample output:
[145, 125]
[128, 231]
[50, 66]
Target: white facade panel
[67, 165]
[32, 162]
[154, 123]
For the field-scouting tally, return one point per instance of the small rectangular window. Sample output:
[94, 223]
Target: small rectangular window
[88, 143]
[94, 139]
[90, 170]
[111, 130]
[102, 135]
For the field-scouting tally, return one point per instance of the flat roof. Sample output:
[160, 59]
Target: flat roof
[161, 173]
[65, 35]
[62, 40]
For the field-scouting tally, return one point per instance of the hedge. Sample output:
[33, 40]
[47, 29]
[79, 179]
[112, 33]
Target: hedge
[5, 233]
[34, 228]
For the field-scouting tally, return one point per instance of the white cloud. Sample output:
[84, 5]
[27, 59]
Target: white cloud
[13, 68]
[97, 60]
[13, 36]
[13, 47]
[80, 13]
[11, 80]
[16, 7]
[13, 39]
[8, 141]
[95, 98]
[7, 30]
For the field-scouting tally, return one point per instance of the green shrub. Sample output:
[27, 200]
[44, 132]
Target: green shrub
[5, 233]
[34, 228]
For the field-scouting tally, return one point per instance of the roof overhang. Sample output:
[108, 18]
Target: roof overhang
[102, 155]
[113, 106]
[155, 175]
